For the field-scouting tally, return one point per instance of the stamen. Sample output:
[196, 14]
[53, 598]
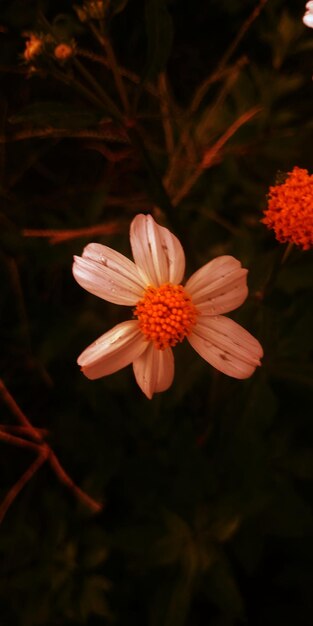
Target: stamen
[166, 315]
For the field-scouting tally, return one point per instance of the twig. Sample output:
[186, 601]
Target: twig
[18, 441]
[114, 66]
[241, 33]
[59, 236]
[64, 477]
[211, 154]
[165, 111]
[214, 78]
[45, 452]
[18, 486]
[186, 141]
[131, 76]
[103, 133]
[13, 428]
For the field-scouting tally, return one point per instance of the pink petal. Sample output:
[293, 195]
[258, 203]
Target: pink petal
[112, 351]
[156, 251]
[154, 370]
[308, 19]
[226, 345]
[108, 274]
[219, 286]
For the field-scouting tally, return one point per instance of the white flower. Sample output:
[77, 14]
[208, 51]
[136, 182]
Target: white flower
[165, 312]
[308, 16]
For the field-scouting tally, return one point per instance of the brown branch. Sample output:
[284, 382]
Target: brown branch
[59, 236]
[8, 428]
[212, 153]
[64, 477]
[46, 452]
[241, 33]
[18, 441]
[22, 481]
[165, 111]
[15, 410]
[131, 76]
[59, 133]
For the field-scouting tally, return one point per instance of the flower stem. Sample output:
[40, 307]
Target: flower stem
[113, 64]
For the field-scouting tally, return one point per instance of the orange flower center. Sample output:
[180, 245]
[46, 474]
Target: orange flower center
[166, 315]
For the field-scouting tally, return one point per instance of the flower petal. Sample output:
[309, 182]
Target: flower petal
[112, 351]
[157, 252]
[154, 370]
[226, 345]
[219, 286]
[108, 274]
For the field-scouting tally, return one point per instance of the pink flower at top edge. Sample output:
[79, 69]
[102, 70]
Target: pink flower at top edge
[165, 312]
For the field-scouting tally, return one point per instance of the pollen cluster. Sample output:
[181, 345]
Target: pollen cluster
[290, 209]
[166, 315]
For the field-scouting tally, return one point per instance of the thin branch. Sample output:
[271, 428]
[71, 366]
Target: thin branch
[131, 76]
[165, 112]
[18, 441]
[46, 453]
[18, 486]
[214, 78]
[13, 428]
[187, 141]
[67, 480]
[59, 236]
[103, 133]
[106, 100]
[15, 410]
[211, 154]
[241, 33]
[114, 66]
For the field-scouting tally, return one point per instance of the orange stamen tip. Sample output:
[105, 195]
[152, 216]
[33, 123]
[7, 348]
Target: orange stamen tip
[166, 315]
[290, 209]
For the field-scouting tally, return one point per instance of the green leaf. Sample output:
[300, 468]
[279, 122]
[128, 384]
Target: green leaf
[160, 34]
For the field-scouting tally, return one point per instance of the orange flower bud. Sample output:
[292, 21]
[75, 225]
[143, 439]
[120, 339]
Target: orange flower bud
[33, 47]
[63, 51]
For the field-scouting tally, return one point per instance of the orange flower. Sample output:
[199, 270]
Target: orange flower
[33, 47]
[290, 209]
[63, 51]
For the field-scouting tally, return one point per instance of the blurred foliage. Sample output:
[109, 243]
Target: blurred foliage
[208, 487]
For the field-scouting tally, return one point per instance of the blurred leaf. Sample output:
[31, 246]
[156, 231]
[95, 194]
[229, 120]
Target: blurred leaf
[171, 602]
[222, 589]
[117, 6]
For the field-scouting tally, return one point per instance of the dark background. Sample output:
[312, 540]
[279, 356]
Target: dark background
[208, 487]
